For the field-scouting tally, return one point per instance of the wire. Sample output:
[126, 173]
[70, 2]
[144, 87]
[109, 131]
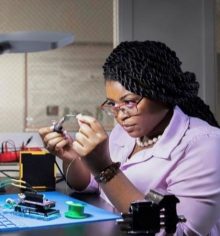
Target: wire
[7, 175]
[62, 174]
[17, 183]
[60, 170]
[23, 187]
[59, 180]
[28, 141]
[67, 171]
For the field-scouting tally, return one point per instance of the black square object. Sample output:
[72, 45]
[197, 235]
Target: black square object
[38, 170]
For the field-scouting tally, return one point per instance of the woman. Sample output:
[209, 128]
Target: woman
[166, 137]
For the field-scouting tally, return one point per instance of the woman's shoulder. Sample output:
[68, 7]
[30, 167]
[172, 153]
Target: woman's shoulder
[198, 127]
[202, 136]
[187, 133]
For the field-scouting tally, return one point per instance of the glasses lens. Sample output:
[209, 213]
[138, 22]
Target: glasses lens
[130, 110]
[108, 110]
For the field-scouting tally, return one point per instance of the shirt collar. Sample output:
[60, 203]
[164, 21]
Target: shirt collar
[172, 135]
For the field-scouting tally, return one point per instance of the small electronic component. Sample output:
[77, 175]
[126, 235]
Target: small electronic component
[36, 205]
[9, 203]
[58, 126]
[75, 210]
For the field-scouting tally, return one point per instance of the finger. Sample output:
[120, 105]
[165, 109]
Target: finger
[84, 145]
[61, 144]
[80, 149]
[66, 135]
[43, 131]
[86, 130]
[81, 139]
[90, 138]
[86, 136]
[52, 135]
[89, 120]
[56, 143]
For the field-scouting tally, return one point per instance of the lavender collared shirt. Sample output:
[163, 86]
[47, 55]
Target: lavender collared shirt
[185, 162]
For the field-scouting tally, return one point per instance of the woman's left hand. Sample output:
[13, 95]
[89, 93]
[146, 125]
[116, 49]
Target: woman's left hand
[91, 143]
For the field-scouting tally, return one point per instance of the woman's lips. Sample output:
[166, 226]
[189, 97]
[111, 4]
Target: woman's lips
[128, 128]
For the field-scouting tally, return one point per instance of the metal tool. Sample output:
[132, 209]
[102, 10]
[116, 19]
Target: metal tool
[58, 127]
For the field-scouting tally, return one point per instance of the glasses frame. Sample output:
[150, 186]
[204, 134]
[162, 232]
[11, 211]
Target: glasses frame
[113, 111]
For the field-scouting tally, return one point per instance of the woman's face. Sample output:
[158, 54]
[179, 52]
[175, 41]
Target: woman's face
[148, 115]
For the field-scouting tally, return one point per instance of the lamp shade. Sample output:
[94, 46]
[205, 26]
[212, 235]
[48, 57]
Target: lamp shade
[34, 41]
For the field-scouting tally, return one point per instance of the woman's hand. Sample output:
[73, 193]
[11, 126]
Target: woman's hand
[59, 144]
[91, 143]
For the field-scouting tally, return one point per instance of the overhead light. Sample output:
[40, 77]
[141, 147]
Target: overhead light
[35, 41]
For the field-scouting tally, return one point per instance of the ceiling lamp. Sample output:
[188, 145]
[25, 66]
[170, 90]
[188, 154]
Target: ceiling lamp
[36, 41]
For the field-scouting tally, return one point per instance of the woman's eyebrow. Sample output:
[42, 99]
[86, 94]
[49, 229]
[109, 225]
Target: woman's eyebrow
[126, 95]
[121, 98]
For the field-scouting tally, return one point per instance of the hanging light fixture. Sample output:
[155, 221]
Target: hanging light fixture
[24, 42]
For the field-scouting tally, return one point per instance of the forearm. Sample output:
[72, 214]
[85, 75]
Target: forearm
[121, 192]
[76, 173]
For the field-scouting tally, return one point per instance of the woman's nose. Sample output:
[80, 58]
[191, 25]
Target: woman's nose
[122, 115]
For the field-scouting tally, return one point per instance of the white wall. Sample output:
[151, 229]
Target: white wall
[89, 21]
[187, 26]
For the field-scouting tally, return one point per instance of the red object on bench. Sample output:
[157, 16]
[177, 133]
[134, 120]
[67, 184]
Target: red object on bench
[9, 156]
[9, 153]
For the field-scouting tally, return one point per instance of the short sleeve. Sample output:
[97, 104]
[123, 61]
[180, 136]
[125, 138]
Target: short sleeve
[196, 182]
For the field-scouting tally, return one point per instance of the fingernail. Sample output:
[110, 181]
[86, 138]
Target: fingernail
[65, 134]
[78, 116]
[53, 122]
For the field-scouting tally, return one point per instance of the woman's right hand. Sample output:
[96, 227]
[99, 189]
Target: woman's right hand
[59, 144]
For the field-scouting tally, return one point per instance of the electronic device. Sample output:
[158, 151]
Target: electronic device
[38, 169]
[147, 217]
[33, 204]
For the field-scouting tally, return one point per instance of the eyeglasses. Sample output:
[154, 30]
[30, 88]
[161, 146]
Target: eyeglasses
[128, 107]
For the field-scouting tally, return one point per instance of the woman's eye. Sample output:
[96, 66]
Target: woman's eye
[130, 103]
[110, 103]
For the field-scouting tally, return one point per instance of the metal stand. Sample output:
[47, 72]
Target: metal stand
[147, 217]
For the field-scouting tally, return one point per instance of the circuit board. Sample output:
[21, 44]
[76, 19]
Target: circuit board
[19, 221]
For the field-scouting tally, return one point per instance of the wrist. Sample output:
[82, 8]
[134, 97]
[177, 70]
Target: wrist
[68, 156]
[96, 166]
[108, 173]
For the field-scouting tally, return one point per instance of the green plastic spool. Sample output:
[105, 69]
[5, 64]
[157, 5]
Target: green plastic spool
[75, 210]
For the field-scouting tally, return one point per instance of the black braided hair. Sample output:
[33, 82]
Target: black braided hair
[151, 69]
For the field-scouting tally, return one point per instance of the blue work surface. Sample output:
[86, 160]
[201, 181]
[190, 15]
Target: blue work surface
[15, 222]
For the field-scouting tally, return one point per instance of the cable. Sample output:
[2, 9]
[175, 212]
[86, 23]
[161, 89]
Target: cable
[62, 174]
[59, 180]
[3, 172]
[24, 187]
[17, 183]
[60, 170]
[67, 171]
